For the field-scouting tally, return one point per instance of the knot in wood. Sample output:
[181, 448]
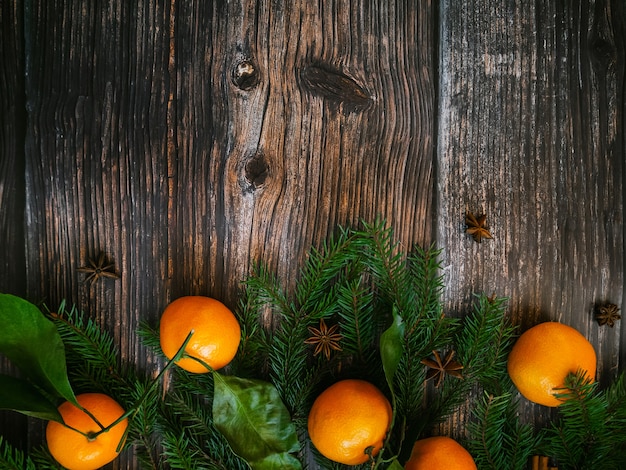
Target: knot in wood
[256, 170]
[335, 86]
[245, 75]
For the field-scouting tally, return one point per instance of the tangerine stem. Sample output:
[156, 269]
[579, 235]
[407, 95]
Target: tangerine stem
[135, 408]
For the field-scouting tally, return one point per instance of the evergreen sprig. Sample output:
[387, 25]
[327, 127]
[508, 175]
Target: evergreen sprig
[362, 281]
[483, 344]
[591, 429]
[13, 459]
[188, 437]
[497, 437]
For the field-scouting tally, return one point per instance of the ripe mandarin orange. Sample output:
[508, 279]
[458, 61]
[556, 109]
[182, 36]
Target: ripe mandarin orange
[544, 355]
[439, 452]
[347, 418]
[75, 451]
[216, 332]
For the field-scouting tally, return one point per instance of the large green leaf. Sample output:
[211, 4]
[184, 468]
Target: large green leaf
[256, 423]
[34, 345]
[19, 395]
[391, 347]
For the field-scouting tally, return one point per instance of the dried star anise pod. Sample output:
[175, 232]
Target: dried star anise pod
[438, 368]
[98, 268]
[476, 226]
[325, 339]
[607, 315]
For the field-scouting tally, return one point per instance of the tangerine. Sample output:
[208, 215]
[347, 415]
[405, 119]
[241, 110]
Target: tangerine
[76, 451]
[349, 419]
[216, 332]
[544, 355]
[439, 452]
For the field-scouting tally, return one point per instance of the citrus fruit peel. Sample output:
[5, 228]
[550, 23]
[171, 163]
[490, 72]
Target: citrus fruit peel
[92, 434]
[543, 356]
[439, 452]
[216, 333]
[349, 421]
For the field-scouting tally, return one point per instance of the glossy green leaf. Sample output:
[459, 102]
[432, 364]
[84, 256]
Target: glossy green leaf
[256, 423]
[391, 347]
[32, 343]
[19, 395]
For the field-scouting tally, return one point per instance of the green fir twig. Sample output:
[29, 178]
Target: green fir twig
[591, 429]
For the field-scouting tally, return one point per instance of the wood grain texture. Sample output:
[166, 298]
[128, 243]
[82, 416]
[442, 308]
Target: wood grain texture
[187, 140]
[531, 132]
[332, 123]
[12, 195]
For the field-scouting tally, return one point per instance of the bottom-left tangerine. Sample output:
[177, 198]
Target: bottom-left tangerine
[76, 451]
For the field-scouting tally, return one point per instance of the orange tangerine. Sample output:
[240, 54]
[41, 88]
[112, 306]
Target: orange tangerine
[216, 332]
[76, 451]
[544, 355]
[439, 452]
[349, 418]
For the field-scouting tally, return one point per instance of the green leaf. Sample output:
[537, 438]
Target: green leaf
[395, 465]
[18, 395]
[31, 342]
[391, 347]
[256, 423]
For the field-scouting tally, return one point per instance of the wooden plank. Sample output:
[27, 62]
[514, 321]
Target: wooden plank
[187, 140]
[12, 190]
[320, 114]
[531, 132]
[97, 162]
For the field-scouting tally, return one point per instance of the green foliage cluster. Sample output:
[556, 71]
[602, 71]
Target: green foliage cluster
[387, 306]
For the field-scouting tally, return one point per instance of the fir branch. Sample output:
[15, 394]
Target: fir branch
[427, 282]
[92, 360]
[85, 338]
[141, 426]
[264, 287]
[590, 432]
[497, 438]
[14, 459]
[251, 358]
[185, 424]
[43, 460]
[359, 328]
[287, 355]
[385, 261]
[288, 363]
[315, 290]
[484, 342]
[427, 329]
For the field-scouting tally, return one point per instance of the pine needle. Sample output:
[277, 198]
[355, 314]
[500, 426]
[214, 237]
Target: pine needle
[14, 459]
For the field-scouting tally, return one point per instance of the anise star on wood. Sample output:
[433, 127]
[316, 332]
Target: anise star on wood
[325, 339]
[438, 368]
[607, 315]
[476, 226]
[98, 268]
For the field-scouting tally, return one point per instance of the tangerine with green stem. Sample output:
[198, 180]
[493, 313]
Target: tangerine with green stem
[216, 333]
[80, 443]
[349, 421]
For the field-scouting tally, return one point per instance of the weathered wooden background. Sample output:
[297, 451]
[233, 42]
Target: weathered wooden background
[187, 139]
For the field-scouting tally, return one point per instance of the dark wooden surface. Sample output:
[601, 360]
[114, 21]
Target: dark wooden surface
[188, 139]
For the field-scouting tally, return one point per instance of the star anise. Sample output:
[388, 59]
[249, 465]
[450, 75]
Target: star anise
[98, 268]
[438, 368]
[607, 315]
[325, 339]
[476, 226]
